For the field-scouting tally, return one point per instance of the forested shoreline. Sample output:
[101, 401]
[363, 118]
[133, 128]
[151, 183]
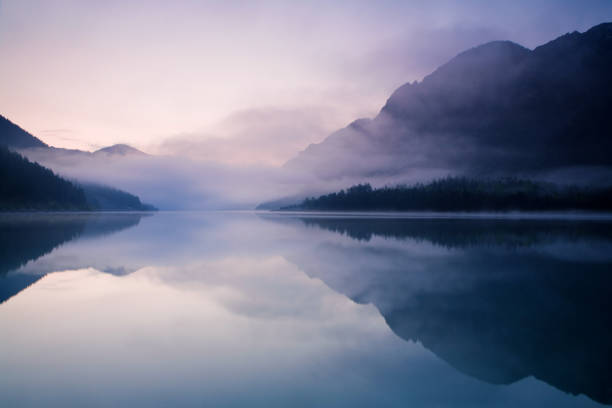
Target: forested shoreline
[463, 194]
[28, 186]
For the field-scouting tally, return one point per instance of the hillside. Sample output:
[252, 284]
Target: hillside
[29, 186]
[13, 136]
[106, 198]
[498, 108]
[26, 185]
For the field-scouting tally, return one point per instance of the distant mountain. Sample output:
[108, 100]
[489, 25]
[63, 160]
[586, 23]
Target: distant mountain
[29, 186]
[498, 108]
[26, 185]
[119, 150]
[13, 136]
[16, 138]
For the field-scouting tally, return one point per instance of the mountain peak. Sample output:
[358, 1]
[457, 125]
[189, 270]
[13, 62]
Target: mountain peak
[120, 150]
[601, 28]
[503, 46]
[486, 58]
[472, 74]
[498, 107]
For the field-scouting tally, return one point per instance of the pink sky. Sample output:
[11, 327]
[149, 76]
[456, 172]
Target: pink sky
[244, 81]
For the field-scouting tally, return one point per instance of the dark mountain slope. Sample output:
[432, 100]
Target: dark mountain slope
[497, 108]
[107, 198]
[13, 136]
[16, 138]
[28, 186]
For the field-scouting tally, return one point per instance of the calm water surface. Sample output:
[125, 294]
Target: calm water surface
[278, 310]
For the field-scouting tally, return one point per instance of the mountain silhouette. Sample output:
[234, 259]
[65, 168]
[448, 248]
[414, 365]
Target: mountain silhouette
[499, 300]
[498, 108]
[29, 186]
[16, 138]
[26, 185]
[13, 136]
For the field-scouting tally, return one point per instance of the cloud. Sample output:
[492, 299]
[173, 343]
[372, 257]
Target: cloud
[173, 183]
[261, 136]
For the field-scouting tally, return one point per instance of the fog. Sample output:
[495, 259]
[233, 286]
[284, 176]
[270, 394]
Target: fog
[495, 110]
[183, 183]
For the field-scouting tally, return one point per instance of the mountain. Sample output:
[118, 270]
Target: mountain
[13, 136]
[498, 108]
[26, 185]
[119, 150]
[29, 186]
[16, 138]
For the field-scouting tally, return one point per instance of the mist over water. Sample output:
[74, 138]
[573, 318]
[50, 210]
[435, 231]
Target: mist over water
[184, 309]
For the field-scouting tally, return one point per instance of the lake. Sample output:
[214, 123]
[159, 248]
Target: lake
[232, 309]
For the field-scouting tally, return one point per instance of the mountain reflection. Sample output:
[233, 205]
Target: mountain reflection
[499, 300]
[27, 237]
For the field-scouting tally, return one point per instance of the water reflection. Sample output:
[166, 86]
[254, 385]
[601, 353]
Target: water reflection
[230, 309]
[499, 300]
[27, 237]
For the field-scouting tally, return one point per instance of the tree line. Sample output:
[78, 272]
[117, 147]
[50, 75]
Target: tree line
[25, 185]
[463, 194]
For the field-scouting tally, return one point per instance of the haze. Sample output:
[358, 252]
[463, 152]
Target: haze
[239, 82]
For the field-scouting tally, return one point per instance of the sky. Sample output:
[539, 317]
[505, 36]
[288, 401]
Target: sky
[238, 82]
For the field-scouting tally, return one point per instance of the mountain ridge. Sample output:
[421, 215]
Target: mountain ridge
[496, 108]
[12, 135]
[120, 149]
[23, 189]
[15, 137]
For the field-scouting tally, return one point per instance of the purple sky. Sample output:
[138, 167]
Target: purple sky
[238, 81]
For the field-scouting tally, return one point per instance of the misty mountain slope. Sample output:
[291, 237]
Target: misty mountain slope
[107, 198]
[498, 108]
[16, 138]
[29, 186]
[13, 136]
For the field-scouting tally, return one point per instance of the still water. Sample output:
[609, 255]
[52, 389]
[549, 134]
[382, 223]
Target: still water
[304, 310]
